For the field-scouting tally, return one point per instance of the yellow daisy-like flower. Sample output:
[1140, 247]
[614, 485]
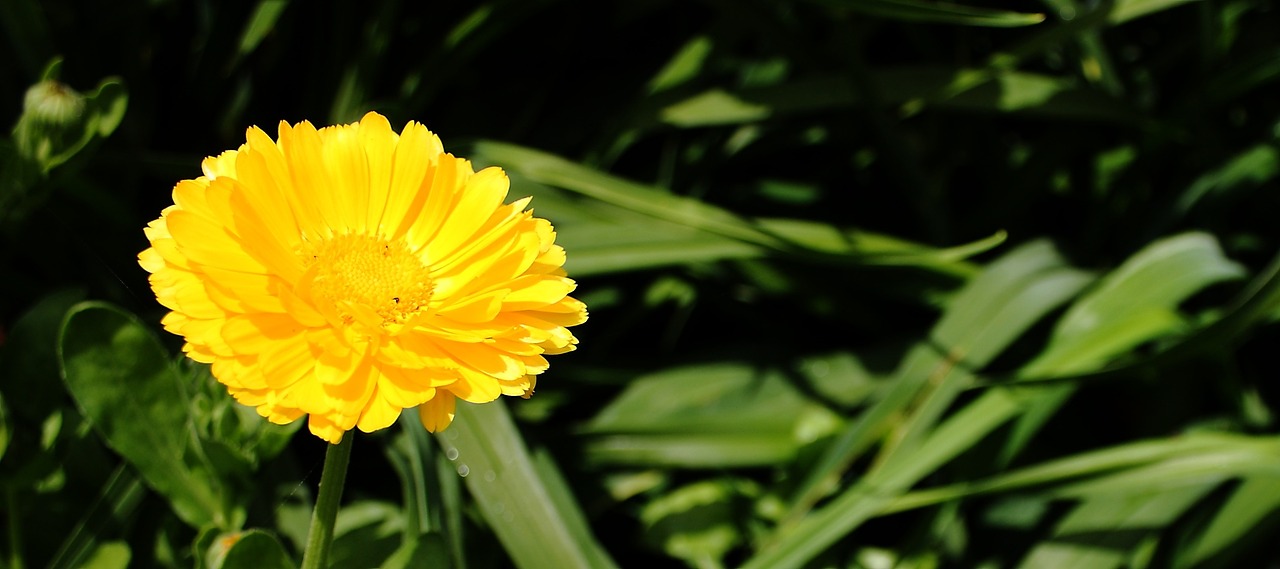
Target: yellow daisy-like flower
[350, 272]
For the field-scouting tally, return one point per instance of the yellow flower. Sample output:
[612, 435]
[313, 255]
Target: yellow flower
[348, 273]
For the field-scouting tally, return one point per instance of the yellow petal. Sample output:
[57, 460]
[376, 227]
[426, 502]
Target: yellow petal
[378, 142]
[478, 308]
[481, 195]
[206, 243]
[348, 169]
[474, 386]
[266, 164]
[263, 194]
[416, 152]
[441, 192]
[486, 359]
[323, 427]
[309, 176]
[437, 414]
[251, 334]
[287, 362]
[410, 388]
[378, 413]
[536, 291]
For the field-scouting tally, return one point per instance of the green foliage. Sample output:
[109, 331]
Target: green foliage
[126, 386]
[880, 283]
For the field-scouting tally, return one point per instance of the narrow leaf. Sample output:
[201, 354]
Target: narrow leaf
[491, 457]
[938, 12]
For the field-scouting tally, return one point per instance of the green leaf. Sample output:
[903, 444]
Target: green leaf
[432, 499]
[713, 107]
[607, 248]
[796, 544]
[367, 533]
[911, 87]
[651, 226]
[260, 23]
[429, 550]
[989, 313]
[128, 389]
[1135, 303]
[1241, 517]
[1105, 531]
[109, 555]
[1158, 278]
[1169, 464]
[490, 455]
[560, 493]
[1250, 167]
[552, 170]
[252, 549]
[937, 12]
[1126, 10]
[116, 503]
[698, 523]
[727, 414]
[683, 66]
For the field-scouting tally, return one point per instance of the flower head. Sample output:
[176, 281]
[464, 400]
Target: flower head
[350, 272]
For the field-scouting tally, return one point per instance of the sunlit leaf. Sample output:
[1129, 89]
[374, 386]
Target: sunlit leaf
[109, 555]
[1125, 10]
[728, 414]
[1104, 532]
[698, 522]
[260, 23]
[490, 455]
[683, 65]
[128, 388]
[1242, 516]
[713, 107]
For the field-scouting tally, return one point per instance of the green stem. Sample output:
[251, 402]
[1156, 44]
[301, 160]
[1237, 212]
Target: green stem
[320, 536]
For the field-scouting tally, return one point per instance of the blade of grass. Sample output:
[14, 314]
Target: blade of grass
[1175, 460]
[118, 500]
[1243, 514]
[653, 202]
[824, 526]
[491, 457]
[937, 12]
[1133, 304]
[979, 322]
[1104, 532]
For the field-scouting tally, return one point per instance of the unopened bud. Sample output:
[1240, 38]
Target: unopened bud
[53, 103]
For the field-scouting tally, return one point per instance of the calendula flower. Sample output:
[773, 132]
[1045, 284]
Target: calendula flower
[350, 272]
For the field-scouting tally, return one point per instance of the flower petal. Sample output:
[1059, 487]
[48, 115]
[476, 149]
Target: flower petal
[437, 414]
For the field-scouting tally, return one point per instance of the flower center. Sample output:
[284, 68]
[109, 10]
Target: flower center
[365, 276]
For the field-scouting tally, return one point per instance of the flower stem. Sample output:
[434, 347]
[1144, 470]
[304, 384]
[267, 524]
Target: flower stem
[332, 478]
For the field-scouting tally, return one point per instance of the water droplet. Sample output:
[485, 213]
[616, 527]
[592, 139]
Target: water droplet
[451, 453]
[463, 470]
[490, 476]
